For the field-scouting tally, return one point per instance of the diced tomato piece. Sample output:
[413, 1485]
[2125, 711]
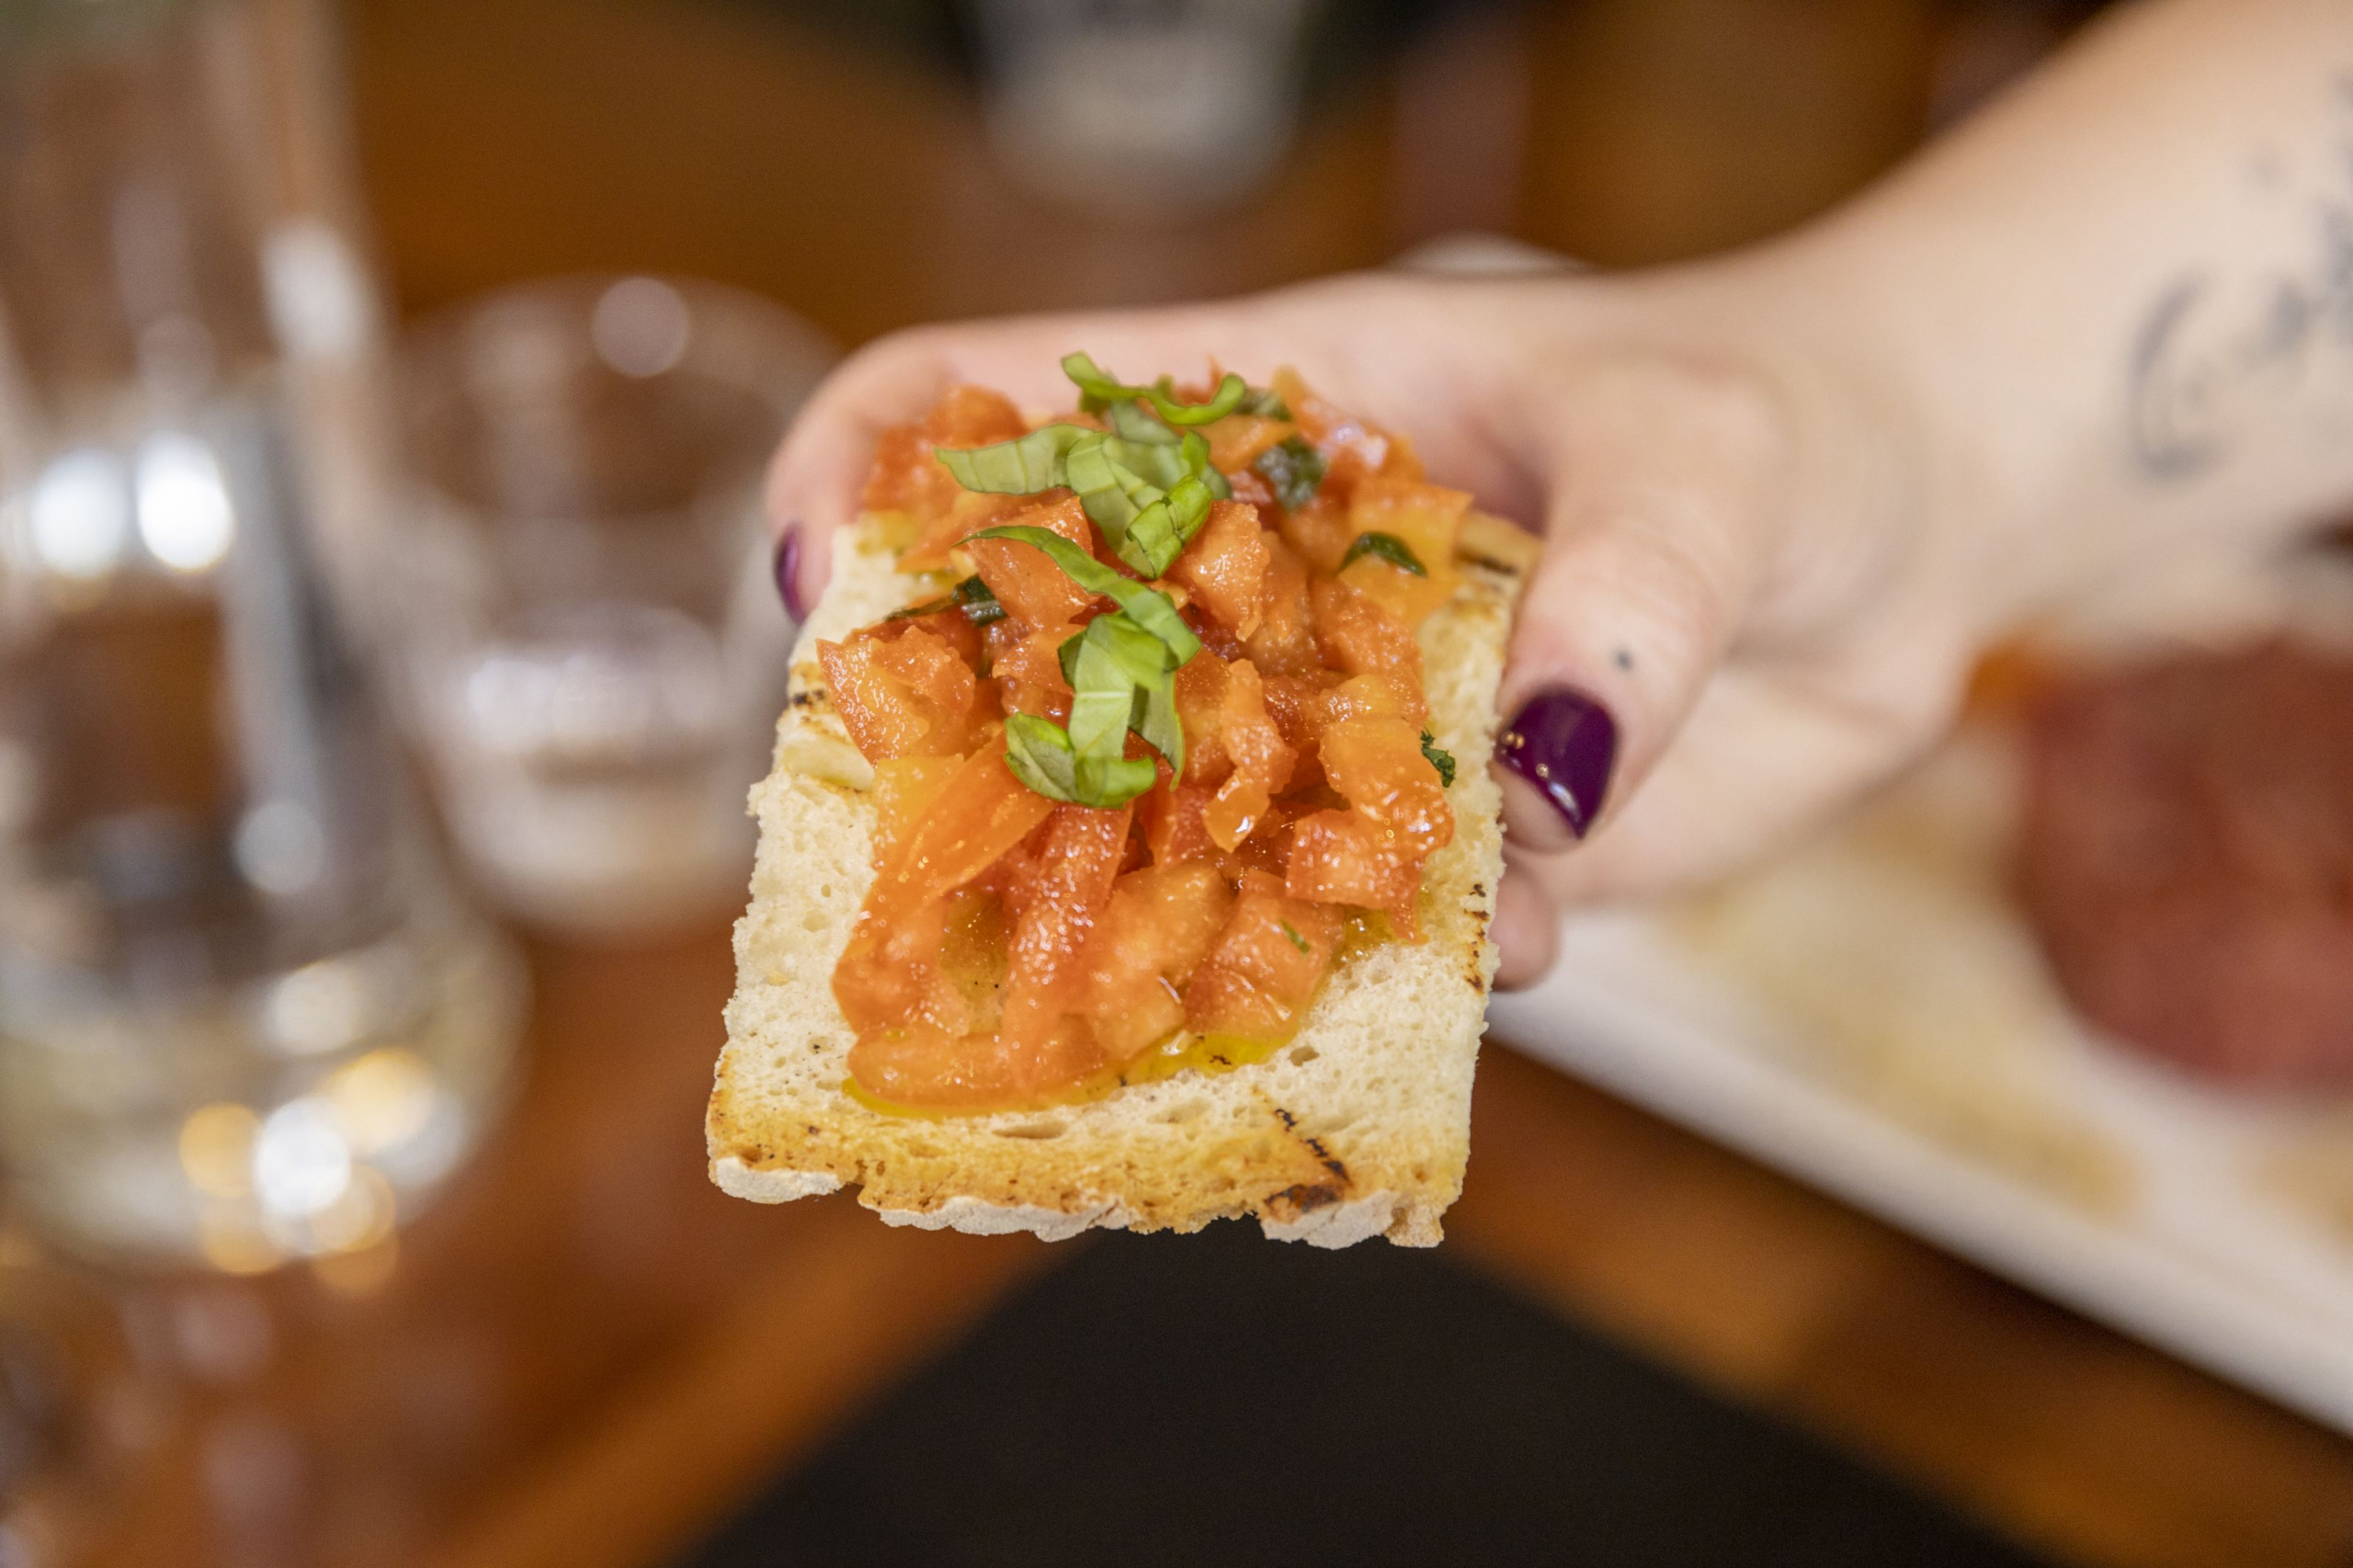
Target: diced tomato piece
[1151, 937]
[1262, 972]
[1225, 566]
[1250, 488]
[926, 1068]
[1378, 766]
[902, 690]
[1344, 857]
[980, 813]
[1426, 517]
[1027, 669]
[1240, 439]
[904, 789]
[890, 972]
[1054, 901]
[1349, 448]
[1174, 828]
[1358, 636]
[1319, 530]
[1284, 643]
[906, 477]
[1259, 760]
[1032, 589]
[973, 416]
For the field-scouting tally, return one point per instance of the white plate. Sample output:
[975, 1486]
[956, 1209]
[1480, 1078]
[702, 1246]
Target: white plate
[1873, 1017]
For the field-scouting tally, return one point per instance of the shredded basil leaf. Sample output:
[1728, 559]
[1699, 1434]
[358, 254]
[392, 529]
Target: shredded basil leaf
[1294, 470]
[1296, 939]
[1098, 391]
[1148, 608]
[1041, 754]
[1441, 760]
[1133, 422]
[1389, 547]
[971, 596]
[1266, 403]
[979, 605]
[1023, 466]
[1130, 673]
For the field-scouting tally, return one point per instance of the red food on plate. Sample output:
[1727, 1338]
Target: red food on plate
[2189, 859]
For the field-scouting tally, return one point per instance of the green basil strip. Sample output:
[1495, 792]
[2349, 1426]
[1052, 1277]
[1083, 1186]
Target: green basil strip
[1023, 466]
[1131, 422]
[1098, 391]
[1149, 608]
[1389, 547]
[980, 607]
[1040, 754]
[1264, 402]
[1110, 785]
[1125, 672]
[1441, 760]
[1159, 533]
[1296, 939]
[1294, 470]
[1196, 449]
[1231, 389]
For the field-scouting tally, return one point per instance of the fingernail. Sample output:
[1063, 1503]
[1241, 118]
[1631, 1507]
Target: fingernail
[1564, 743]
[787, 570]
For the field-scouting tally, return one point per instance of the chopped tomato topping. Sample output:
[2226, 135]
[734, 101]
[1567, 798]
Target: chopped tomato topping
[1027, 667]
[1150, 938]
[1354, 634]
[1378, 766]
[905, 689]
[1052, 899]
[906, 477]
[1343, 857]
[1284, 643]
[1017, 951]
[1262, 972]
[1032, 589]
[1225, 568]
[1240, 439]
[923, 1066]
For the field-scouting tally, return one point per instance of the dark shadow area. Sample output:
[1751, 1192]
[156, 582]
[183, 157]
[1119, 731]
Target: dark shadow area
[1222, 1400]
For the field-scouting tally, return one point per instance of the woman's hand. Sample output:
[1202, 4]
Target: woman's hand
[1741, 617]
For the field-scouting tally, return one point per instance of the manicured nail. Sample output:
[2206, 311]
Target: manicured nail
[787, 570]
[1564, 743]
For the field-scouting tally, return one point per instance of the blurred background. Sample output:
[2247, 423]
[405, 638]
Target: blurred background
[387, 640]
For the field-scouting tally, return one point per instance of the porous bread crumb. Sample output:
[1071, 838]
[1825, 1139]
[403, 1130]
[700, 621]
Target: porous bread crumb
[1359, 1127]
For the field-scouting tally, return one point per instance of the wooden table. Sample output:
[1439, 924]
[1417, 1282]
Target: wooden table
[584, 1352]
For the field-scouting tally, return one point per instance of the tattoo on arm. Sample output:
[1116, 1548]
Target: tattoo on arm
[2211, 350]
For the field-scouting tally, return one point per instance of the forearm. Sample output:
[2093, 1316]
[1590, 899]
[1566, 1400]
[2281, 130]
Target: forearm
[2117, 307]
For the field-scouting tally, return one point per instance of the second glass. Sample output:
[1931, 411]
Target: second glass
[590, 648]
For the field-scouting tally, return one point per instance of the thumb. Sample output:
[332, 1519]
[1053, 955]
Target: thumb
[1658, 527]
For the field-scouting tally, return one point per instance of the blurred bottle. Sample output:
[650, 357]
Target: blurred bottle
[241, 1017]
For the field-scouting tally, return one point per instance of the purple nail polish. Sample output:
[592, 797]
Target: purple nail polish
[1564, 743]
[787, 570]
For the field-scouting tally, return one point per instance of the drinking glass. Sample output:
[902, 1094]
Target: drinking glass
[242, 1016]
[590, 644]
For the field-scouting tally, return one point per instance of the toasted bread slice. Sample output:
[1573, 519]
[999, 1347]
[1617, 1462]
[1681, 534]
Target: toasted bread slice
[1361, 1127]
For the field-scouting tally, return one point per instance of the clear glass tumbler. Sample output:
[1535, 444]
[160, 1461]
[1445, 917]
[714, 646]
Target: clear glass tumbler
[242, 1016]
[591, 647]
